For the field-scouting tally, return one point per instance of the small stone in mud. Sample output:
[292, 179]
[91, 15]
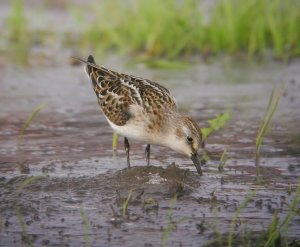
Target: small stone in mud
[24, 168]
[201, 227]
[116, 221]
[46, 242]
[150, 204]
[99, 226]
[6, 223]
[36, 217]
[28, 239]
[28, 222]
[259, 203]
[292, 81]
[270, 208]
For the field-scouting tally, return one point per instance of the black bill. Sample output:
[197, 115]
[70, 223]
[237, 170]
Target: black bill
[196, 162]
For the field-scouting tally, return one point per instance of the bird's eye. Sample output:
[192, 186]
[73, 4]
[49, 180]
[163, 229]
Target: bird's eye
[189, 139]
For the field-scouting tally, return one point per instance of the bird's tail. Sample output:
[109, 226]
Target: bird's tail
[96, 74]
[90, 63]
[90, 69]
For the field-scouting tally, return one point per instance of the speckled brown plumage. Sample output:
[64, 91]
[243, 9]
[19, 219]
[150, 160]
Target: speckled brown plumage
[116, 92]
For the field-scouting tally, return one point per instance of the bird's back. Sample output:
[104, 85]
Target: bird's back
[118, 93]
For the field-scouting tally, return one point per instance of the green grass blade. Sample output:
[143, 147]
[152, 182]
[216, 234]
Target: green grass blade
[271, 108]
[115, 141]
[126, 204]
[27, 238]
[293, 210]
[86, 227]
[236, 215]
[215, 124]
[262, 127]
[28, 181]
[170, 227]
[30, 118]
[222, 161]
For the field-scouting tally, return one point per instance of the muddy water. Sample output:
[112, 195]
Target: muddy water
[75, 175]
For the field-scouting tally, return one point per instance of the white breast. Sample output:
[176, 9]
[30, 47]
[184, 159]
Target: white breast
[131, 130]
[136, 127]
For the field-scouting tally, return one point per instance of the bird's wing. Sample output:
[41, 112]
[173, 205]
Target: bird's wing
[117, 93]
[151, 95]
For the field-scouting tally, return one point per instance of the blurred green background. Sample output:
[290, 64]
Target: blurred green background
[163, 31]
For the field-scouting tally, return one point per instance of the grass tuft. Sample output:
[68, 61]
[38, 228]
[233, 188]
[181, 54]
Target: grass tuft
[215, 124]
[292, 212]
[126, 204]
[171, 29]
[236, 215]
[22, 166]
[264, 126]
[25, 237]
[277, 228]
[28, 181]
[86, 227]
[171, 224]
[17, 33]
[223, 160]
[30, 118]
[114, 141]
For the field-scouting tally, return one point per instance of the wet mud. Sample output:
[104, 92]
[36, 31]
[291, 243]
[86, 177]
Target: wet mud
[62, 185]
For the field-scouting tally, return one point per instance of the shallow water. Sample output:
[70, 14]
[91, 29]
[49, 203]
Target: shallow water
[68, 148]
[73, 173]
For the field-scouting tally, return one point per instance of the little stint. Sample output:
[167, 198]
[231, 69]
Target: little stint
[143, 110]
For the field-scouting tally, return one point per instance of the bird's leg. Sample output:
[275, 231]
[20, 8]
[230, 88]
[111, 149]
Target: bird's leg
[127, 149]
[147, 153]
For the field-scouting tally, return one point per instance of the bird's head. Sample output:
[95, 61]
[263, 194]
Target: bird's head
[187, 139]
